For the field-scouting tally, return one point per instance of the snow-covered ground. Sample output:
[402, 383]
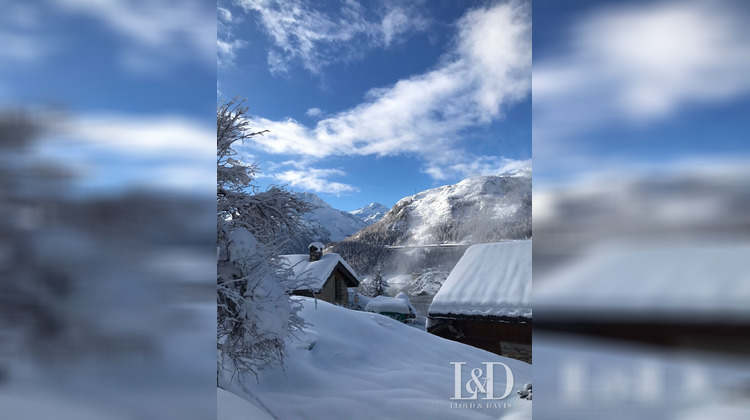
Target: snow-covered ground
[174, 383]
[232, 407]
[351, 364]
[590, 379]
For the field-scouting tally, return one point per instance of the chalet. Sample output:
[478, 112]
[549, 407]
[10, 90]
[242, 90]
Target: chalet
[694, 293]
[325, 277]
[486, 300]
[398, 308]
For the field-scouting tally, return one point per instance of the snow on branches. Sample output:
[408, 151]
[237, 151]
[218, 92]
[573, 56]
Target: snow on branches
[254, 311]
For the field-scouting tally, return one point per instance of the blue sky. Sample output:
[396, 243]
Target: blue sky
[372, 101]
[614, 84]
[134, 79]
[628, 85]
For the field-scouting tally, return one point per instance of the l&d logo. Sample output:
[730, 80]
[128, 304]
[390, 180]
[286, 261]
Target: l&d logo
[481, 382]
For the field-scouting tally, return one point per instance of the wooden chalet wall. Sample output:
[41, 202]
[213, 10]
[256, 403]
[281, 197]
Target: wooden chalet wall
[502, 338]
[328, 292]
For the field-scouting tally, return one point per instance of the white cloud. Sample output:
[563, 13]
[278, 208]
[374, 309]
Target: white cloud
[157, 28]
[20, 34]
[316, 180]
[314, 112]
[639, 64]
[227, 43]
[512, 165]
[314, 38]
[276, 63]
[160, 136]
[394, 24]
[226, 51]
[122, 150]
[425, 115]
[465, 166]
[181, 176]
[224, 15]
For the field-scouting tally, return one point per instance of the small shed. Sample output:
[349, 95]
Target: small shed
[325, 277]
[486, 300]
[398, 308]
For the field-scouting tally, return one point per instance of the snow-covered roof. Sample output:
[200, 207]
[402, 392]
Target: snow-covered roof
[388, 304]
[489, 280]
[405, 297]
[317, 271]
[666, 281]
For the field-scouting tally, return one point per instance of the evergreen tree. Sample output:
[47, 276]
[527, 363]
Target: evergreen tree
[376, 286]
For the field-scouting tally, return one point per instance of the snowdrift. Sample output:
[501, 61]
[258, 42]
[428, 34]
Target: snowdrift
[351, 364]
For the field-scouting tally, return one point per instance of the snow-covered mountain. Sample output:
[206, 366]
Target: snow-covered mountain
[370, 213]
[328, 223]
[475, 210]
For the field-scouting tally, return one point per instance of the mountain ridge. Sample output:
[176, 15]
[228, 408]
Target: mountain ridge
[337, 223]
[475, 210]
[370, 213]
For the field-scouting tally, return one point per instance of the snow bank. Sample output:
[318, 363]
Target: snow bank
[382, 304]
[577, 378]
[232, 407]
[316, 271]
[41, 404]
[357, 301]
[489, 280]
[366, 366]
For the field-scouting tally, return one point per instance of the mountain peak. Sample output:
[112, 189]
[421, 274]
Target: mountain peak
[311, 198]
[370, 213]
[325, 223]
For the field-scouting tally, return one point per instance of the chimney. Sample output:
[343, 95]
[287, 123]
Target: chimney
[316, 251]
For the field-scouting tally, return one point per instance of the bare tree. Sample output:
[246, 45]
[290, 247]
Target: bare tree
[254, 312]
